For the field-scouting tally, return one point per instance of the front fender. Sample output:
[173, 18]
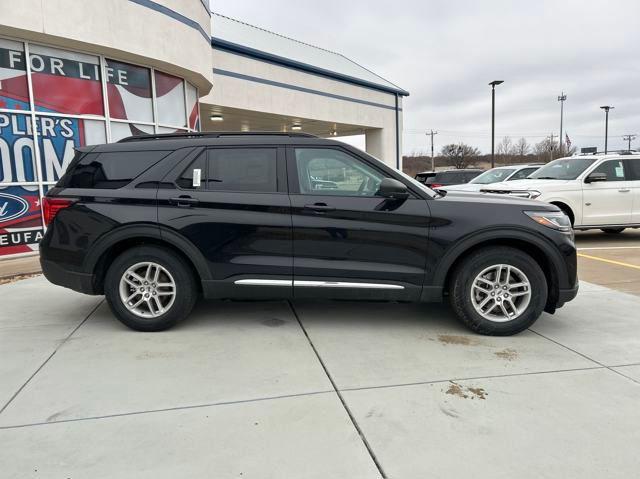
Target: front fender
[497, 235]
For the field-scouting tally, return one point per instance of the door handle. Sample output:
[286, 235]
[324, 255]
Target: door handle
[319, 207]
[624, 190]
[184, 201]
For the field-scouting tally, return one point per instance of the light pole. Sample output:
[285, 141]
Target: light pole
[561, 99]
[493, 119]
[606, 109]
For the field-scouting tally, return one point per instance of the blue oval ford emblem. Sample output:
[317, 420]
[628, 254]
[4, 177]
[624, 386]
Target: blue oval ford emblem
[12, 206]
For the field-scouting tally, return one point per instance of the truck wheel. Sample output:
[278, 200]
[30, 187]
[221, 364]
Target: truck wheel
[613, 231]
[150, 288]
[498, 291]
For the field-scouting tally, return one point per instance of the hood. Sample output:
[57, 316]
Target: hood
[497, 199]
[531, 184]
[463, 187]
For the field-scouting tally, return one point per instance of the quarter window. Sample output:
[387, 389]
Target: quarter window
[325, 171]
[614, 169]
[112, 170]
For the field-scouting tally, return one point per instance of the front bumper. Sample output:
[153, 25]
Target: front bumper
[566, 295]
[81, 282]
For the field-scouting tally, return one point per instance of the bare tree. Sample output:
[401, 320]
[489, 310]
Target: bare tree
[506, 147]
[522, 147]
[459, 155]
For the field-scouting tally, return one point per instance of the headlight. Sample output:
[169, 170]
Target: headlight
[533, 194]
[556, 220]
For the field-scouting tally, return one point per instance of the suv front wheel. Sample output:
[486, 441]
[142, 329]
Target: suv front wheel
[498, 291]
[150, 288]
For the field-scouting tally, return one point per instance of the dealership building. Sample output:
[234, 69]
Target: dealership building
[77, 72]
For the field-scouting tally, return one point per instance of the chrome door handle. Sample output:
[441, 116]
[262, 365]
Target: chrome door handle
[624, 190]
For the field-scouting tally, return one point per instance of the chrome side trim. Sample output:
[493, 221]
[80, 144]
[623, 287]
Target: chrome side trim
[315, 284]
[344, 284]
[264, 282]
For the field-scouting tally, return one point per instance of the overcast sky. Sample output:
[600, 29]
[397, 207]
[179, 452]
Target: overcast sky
[446, 52]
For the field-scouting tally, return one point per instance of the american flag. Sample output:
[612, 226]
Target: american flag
[568, 141]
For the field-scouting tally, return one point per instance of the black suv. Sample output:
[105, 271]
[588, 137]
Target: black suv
[154, 222]
[437, 179]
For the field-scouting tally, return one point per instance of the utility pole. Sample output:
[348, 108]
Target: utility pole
[433, 161]
[551, 147]
[629, 138]
[561, 99]
[606, 109]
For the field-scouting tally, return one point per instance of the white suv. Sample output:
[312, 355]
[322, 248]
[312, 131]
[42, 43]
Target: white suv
[495, 175]
[595, 191]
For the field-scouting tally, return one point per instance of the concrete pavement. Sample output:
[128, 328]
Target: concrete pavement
[272, 390]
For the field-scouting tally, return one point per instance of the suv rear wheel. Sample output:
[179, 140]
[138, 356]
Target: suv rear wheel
[150, 288]
[498, 291]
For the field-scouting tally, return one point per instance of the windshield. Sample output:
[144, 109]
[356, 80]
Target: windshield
[493, 176]
[563, 169]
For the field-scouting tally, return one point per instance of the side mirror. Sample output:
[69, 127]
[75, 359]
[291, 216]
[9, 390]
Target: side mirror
[595, 177]
[394, 189]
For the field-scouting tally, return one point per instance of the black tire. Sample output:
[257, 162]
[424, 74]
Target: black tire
[472, 265]
[613, 231]
[186, 290]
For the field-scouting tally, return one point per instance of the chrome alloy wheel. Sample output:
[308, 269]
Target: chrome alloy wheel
[147, 289]
[500, 293]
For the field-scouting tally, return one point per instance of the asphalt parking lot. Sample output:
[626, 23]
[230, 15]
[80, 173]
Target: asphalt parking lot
[278, 390]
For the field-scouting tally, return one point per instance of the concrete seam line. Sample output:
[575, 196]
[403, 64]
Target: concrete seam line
[169, 409]
[50, 356]
[339, 394]
[584, 356]
[471, 378]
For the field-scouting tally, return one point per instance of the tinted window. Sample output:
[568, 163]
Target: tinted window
[242, 169]
[332, 172]
[633, 169]
[186, 178]
[112, 170]
[523, 173]
[614, 169]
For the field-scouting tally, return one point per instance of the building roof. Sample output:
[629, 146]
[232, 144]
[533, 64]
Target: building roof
[239, 37]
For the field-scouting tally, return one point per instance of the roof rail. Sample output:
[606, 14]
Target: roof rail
[193, 134]
[610, 152]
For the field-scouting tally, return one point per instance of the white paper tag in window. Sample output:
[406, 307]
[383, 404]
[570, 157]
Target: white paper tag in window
[197, 177]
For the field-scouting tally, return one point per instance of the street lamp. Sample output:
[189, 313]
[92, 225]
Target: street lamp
[561, 99]
[493, 119]
[606, 109]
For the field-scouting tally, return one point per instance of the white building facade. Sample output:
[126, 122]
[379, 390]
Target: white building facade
[74, 72]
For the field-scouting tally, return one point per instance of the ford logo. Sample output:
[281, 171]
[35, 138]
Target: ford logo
[12, 206]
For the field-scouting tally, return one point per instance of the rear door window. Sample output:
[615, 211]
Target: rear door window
[242, 169]
[112, 170]
[633, 169]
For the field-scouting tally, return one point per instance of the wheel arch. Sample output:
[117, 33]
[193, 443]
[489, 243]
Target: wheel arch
[126, 237]
[567, 208]
[545, 254]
